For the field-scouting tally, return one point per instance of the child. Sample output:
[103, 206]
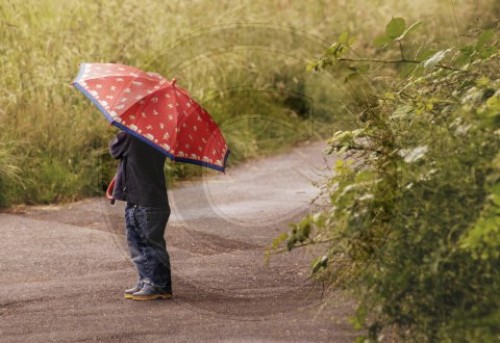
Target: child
[140, 181]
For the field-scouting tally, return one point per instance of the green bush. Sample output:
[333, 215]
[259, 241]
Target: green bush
[413, 221]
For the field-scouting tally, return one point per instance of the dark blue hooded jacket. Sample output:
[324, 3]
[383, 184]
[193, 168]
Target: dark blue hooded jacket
[140, 179]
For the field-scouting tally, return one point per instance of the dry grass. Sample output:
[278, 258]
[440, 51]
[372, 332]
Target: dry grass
[240, 58]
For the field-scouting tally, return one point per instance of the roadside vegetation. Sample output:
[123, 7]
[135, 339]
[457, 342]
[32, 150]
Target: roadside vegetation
[412, 223]
[53, 142]
[251, 76]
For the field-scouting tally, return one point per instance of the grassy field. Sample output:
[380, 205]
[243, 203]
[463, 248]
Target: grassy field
[245, 61]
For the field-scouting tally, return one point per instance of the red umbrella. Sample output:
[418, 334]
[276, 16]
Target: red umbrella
[155, 110]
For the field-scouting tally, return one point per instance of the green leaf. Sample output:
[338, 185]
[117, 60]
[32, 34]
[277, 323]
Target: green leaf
[344, 38]
[278, 240]
[395, 28]
[336, 50]
[290, 244]
[496, 199]
[312, 66]
[467, 51]
[320, 262]
[332, 49]
[381, 41]
[358, 321]
[484, 38]
[425, 54]
[411, 28]
[495, 191]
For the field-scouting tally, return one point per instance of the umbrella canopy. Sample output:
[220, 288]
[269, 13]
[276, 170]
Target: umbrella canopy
[156, 111]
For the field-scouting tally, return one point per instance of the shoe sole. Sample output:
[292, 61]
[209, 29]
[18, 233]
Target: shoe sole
[128, 296]
[151, 297]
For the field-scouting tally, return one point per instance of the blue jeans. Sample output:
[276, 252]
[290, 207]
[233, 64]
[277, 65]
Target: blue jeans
[145, 230]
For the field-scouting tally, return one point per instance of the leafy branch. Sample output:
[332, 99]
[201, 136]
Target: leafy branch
[395, 33]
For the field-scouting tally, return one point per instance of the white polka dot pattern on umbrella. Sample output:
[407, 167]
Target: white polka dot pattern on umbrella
[161, 113]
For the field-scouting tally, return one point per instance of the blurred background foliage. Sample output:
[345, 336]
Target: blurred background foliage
[241, 59]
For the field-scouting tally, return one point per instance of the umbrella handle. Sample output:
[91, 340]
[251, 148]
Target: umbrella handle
[109, 191]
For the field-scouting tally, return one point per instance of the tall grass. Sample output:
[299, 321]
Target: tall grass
[240, 59]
